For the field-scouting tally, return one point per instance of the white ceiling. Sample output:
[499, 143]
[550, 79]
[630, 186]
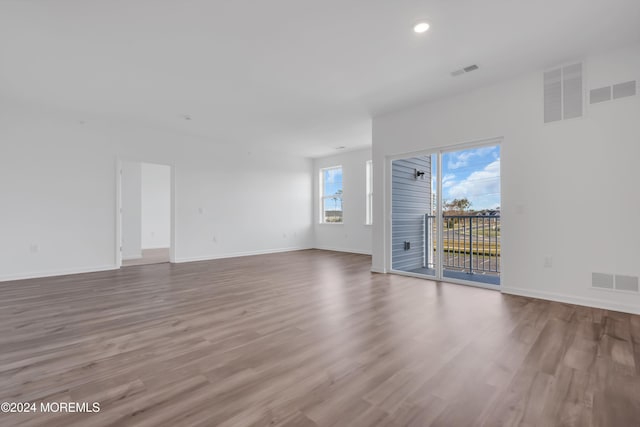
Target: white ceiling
[298, 75]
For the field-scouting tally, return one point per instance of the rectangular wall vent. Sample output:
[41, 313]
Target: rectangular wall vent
[563, 93]
[464, 70]
[626, 283]
[553, 96]
[600, 95]
[601, 280]
[572, 91]
[622, 90]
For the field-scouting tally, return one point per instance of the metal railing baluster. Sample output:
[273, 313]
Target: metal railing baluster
[458, 251]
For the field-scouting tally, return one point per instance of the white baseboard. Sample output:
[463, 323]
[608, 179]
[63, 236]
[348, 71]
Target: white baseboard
[568, 299]
[238, 254]
[334, 249]
[55, 273]
[378, 270]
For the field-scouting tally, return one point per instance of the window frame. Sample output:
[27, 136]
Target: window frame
[323, 197]
[368, 219]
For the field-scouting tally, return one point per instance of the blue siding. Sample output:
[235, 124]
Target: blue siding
[411, 200]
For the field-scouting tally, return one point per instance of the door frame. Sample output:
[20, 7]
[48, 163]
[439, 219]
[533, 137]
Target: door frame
[118, 208]
[438, 151]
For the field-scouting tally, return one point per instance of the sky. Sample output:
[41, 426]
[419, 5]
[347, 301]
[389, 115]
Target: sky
[472, 174]
[332, 183]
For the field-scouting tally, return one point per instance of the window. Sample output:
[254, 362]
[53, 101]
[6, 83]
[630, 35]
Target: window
[369, 180]
[331, 195]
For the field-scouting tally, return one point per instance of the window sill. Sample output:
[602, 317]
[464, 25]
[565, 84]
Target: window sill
[331, 223]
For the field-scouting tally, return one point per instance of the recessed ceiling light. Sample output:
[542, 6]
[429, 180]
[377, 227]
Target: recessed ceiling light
[421, 27]
[342, 147]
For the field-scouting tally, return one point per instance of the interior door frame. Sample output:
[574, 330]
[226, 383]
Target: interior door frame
[118, 210]
[438, 151]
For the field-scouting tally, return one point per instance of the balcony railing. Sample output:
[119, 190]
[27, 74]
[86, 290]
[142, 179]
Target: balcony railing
[471, 243]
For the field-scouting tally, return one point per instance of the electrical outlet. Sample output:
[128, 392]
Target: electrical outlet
[215, 239]
[548, 262]
[34, 248]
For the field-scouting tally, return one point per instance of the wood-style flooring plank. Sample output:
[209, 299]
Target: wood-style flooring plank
[308, 339]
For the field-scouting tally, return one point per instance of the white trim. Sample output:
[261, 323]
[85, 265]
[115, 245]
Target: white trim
[324, 197]
[172, 207]
[568, 299]
[439, 261]
[388, 201]
[346, 250]
[172, 211]
[368, 216]
[118, 244]
[466, 145]
[239, 254]
[55, 273]
[378, 270]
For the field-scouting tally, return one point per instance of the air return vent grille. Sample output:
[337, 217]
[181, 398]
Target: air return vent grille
[615, 282]
[601, 94]
[601, 280]
[620, 90]
[626, 283]
[464, 70]
[563, 91]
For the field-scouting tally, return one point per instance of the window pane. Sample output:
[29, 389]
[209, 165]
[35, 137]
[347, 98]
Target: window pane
[332, 209]
[332, 179]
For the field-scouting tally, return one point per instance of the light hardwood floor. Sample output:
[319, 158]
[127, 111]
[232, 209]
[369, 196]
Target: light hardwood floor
[149, 256]
[309, 338]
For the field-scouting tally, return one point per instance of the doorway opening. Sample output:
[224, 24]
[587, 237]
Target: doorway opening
[445, 212]
[145, 213]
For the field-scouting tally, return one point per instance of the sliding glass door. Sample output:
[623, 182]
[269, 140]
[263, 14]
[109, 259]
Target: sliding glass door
[446, 215]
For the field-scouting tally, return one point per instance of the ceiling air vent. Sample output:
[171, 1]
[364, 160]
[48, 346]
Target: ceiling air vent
[464, 70]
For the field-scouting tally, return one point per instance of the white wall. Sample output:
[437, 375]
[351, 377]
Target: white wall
[131, 187]
[569, 188]
[156, 206]
[58, 192]
[352, 235]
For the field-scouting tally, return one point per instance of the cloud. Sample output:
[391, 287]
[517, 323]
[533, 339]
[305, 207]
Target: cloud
[480, 187]
[333, 176]
[448, 180]
[461, 159]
